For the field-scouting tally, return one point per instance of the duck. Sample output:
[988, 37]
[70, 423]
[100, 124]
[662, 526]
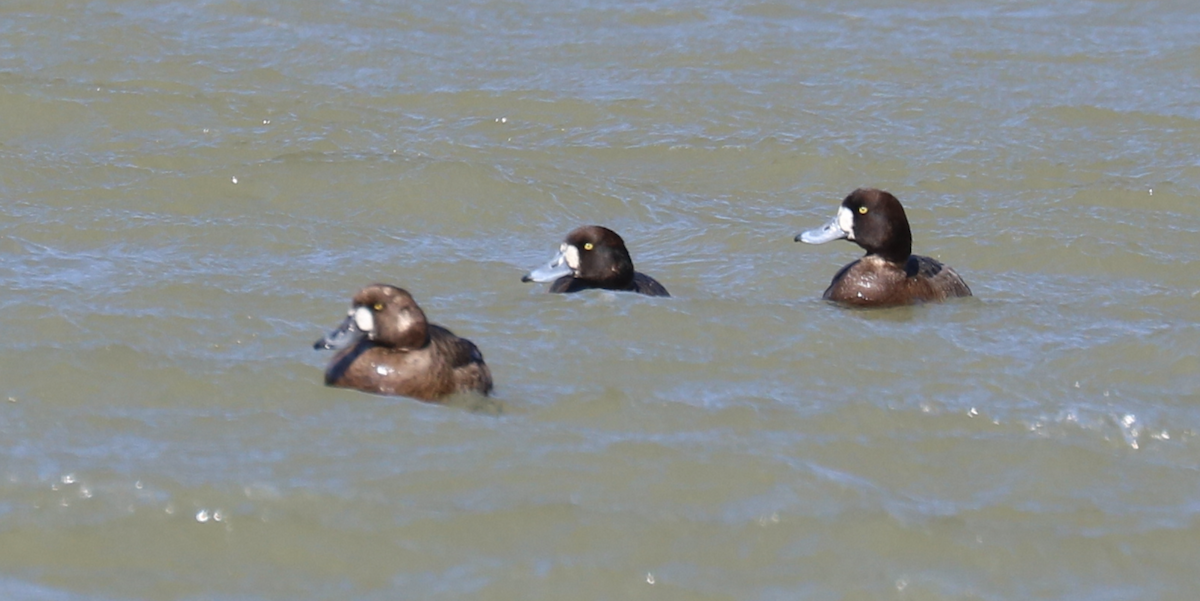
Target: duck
[594, 257]
[386, 346]
[889, 274]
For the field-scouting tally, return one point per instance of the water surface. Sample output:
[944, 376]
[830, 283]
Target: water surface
[190, 192]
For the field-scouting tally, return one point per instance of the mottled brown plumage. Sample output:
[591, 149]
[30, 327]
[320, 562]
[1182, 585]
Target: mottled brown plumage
[388, 347]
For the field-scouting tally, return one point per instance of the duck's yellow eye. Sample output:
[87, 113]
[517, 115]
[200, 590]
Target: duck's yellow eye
[378, 306]
[587, 246]
[862, 210]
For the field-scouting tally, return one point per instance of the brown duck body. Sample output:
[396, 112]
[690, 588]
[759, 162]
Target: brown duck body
[386, 346]
[874, 281]
[446, 365]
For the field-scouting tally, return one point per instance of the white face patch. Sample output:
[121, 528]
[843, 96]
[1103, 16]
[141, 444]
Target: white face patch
[571, 255]
[364, 319]
[845, 220]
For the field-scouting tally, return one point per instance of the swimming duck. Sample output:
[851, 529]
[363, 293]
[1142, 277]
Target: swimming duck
[594, 257]
[386, 346]
[889, 274]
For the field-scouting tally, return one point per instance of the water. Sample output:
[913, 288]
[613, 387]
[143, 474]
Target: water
[190, 192]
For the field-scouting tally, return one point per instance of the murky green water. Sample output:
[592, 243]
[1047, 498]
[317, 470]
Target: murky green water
[191, 191]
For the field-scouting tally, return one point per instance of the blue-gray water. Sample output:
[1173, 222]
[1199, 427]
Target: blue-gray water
[190, 192]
